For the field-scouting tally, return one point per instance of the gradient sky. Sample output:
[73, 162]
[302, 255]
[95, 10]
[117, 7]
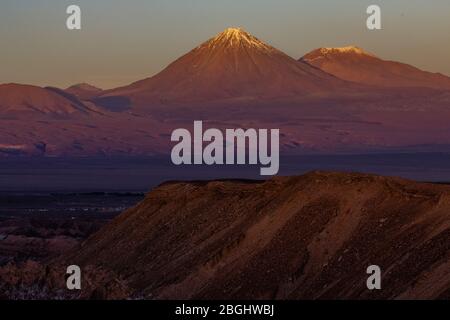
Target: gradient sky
[124, 41]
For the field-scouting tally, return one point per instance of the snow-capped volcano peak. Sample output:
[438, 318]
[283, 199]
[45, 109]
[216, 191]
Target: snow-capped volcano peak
[234, 32]
[324, 53]
[347, 49]
[235, 37]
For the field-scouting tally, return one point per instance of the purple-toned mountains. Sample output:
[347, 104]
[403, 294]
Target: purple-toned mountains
[332, 100]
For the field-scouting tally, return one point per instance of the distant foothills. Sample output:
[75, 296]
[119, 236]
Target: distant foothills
[332, 100]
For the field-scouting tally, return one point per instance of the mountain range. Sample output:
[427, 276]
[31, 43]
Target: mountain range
[234, 64]
[331, 100]
[298, 237]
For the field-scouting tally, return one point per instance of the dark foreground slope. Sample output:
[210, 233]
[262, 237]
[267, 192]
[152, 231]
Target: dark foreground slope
[306, 237]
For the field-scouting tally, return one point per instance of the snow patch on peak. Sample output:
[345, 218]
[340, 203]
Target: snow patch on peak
[347, 49]
[234, 31]
[234, 37]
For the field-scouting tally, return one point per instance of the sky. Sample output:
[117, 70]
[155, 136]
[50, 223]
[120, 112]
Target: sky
[124, 41]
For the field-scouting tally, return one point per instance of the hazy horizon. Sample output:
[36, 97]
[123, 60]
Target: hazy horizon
[122, 42]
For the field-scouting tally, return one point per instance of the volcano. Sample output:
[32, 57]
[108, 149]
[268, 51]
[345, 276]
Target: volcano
[234, 64]
[355, 64]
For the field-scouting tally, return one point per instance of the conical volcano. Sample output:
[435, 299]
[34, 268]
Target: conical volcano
[233, 64]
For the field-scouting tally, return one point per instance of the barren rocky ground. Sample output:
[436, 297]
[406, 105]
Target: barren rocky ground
[305, 237]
